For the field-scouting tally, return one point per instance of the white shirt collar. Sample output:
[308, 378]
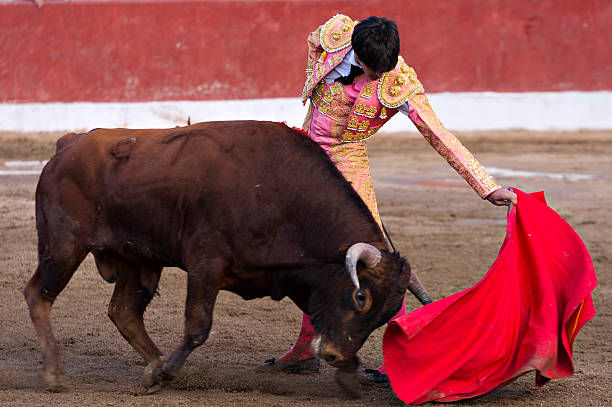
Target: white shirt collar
[342, 69]
[351, 58]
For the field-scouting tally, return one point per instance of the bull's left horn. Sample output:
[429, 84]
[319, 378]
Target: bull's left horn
[367, 253]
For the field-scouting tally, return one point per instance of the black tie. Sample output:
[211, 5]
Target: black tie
[347, 80]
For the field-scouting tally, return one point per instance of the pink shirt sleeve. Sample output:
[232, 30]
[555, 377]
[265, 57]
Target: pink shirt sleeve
[448, 146]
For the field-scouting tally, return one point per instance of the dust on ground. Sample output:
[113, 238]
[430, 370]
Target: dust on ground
[436, 221]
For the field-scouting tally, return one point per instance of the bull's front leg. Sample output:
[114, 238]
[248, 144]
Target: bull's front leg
[346, 377]
[202, 292]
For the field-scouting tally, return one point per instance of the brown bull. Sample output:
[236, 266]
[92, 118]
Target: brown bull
[255, 208]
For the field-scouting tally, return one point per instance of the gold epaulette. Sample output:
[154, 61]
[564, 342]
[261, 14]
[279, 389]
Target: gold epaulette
[398, 85]
[336, 33]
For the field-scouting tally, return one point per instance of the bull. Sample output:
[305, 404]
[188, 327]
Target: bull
[255, 208]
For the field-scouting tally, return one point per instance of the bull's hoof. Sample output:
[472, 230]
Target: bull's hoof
[347, 380]
[374, 376]
[304, 366]
[154, 378]
[54, 381]
[154, 389]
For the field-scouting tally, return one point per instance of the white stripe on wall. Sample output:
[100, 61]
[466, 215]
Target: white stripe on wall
[458, 111]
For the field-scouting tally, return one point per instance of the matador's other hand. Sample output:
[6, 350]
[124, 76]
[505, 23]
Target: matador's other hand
[500, 197]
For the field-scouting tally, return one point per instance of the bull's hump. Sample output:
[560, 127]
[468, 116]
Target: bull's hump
[66, 140]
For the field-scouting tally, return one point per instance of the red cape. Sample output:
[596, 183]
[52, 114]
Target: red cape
[522, 316]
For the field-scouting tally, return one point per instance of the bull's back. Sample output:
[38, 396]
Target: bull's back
[157, 169]
[220, 156]
[238, 158]
[164, 185]
[245, 159]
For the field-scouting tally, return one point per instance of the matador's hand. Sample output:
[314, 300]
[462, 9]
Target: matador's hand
[500, 197]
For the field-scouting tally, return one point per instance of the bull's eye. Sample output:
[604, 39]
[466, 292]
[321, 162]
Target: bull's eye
[361, 298]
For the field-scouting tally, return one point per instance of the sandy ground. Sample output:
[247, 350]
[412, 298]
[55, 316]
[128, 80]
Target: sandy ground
[447, 233]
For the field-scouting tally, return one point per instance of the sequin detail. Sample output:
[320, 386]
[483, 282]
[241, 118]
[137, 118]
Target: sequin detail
[336, 33]
[352, 161]
[321, 67]
[398, 86]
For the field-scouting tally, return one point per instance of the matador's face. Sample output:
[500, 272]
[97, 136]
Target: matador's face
[372, 74]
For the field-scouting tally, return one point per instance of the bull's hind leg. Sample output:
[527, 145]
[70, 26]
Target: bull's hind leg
[134, 289]
[202, 289]
[64, 230]
[50, 278]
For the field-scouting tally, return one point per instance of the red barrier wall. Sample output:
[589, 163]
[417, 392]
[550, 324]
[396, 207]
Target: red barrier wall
[191, 50]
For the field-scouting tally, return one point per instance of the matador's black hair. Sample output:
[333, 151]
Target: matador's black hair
[376, 42]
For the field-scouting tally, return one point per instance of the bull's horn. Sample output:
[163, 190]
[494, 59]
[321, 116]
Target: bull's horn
[416, 288]
[367, 253]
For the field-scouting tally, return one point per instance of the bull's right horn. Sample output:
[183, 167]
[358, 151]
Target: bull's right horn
[417, 289]
[367, 253]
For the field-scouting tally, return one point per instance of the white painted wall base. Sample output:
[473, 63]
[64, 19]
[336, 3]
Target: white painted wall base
[458, 111]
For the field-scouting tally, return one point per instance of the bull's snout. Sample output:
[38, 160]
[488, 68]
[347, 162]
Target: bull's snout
[346, 375]
[332, 355]
[328, 351]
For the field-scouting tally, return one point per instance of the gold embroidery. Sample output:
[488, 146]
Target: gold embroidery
[351, 159]
[317, 94]
[336, 88]
[309, 66]
[335, 60]
[352, 124]
[306, 90]
[333, 36]
[347, 114]
[332, 101]
[399, 85]
[395, 90]
[349, 136]
[320, 71]
[308, 118]
[363, 125]
[371, 112]
[323, 108]
[337, 128]
[336, 33]
[327, 97]
[368, 90]
[383, 113]
[360, 108]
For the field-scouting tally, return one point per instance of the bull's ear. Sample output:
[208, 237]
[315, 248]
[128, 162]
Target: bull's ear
[341, 255]
[405, 274]
[362, 299]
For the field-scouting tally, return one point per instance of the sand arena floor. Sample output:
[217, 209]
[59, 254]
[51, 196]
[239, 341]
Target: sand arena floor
[447, 233]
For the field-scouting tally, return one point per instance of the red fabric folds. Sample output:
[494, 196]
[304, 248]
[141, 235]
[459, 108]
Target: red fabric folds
[522, 316]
